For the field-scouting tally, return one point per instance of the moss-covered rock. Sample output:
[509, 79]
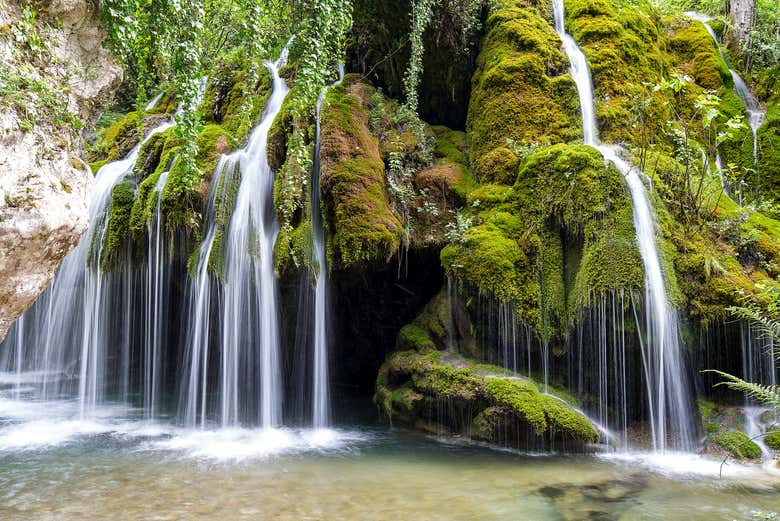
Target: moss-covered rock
[623, 46]
[118, 225]
[361, 225]
[521, 90]
[420, 388]
[768, 144]
[738, 445]
[230, 100]
[562, 232]
[426, 384]
[772, 440]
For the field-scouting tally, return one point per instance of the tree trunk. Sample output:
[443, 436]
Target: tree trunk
[743, 18]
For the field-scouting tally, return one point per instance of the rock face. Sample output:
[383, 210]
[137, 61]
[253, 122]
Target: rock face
[59, 74]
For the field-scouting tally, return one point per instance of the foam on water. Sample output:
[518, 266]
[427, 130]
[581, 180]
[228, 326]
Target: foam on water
[39, 434]
[239, 444]
[682, 464]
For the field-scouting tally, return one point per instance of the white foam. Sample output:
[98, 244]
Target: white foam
[682, 464]
[246, 444]
[39, 434]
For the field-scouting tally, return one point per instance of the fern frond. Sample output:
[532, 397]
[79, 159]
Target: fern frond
[767, 326]
[767, 394]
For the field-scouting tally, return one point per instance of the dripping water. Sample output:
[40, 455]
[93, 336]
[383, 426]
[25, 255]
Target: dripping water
[755, 115]
[669, 400]
[321, 407]
[155, 308]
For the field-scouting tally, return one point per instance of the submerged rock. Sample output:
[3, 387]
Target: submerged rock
[45, 186]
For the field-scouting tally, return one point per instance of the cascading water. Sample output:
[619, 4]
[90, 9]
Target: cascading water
[156, 306]
[759, 366]
[85, 311]
[199, 290]
[249, 381]
[321, 406]
[755, 115]
[668, 400]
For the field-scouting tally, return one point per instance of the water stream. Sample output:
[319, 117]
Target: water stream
[669, 402]
[249, 373]
[755, 115]
[321, 408]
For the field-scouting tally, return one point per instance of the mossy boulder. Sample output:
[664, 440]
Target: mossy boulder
[498, 166]
[442, 390]
[563, 232]
[120, 138]
[623, 45]
[429, 385]
[768, 144]
[361, 225]
[738, 445]
[772, 440]
[232, 99]
[521, 90]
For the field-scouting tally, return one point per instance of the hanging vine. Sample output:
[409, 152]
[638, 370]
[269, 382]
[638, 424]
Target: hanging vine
[321, 47]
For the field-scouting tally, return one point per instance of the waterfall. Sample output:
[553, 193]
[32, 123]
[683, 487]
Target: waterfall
[199, 290]
[759, 366]
[155, 308]
[668, 400]
[244, 326]
[321, 408]
[84, 316]
[755, 115]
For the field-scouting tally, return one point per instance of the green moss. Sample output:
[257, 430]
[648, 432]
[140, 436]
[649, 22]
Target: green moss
[624, 49]
[97, 165]
[144, 205]
[498, 166]
[738, 445]
[293, 249]
[361, 226]
[450, 144]
[768, 137]
[212, 142]
[230, 100]
[521, 90]
[177, 204]
[408, 378]
[772, 440]
[563, 232]
[119, 138]
[698, 55]
[118, 226]
[414, 337]
[522, 396]
[277, 134]
[150, 154]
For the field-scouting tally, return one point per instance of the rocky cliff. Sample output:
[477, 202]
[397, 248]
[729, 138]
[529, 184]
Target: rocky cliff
[54, 74]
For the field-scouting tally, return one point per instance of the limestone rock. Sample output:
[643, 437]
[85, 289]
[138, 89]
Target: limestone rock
[44, 185]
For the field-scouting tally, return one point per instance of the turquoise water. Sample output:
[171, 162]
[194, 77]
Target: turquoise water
[118, 467]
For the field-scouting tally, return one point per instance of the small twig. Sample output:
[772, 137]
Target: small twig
[720, 472]
[387, 57]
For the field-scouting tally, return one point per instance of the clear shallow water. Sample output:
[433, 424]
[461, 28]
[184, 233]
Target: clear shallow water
[119, 467]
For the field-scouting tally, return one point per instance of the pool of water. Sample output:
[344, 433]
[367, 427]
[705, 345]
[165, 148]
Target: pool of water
[117, 467]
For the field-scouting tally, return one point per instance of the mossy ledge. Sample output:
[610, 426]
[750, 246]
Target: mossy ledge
[563, 232]
[428, 386]
[521, 91]
[361, 226]
[442, 391]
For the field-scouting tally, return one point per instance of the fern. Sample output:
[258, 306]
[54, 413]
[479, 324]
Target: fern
[769, 395]
[768, 326]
